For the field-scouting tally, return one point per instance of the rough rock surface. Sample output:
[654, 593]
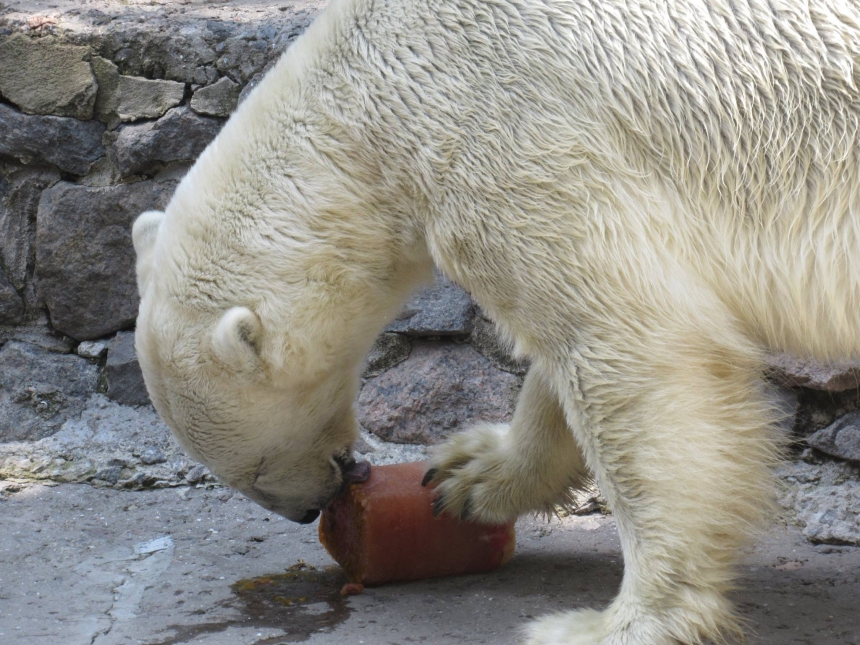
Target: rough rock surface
[189, 41]
[442, 309]
[84, 254]
[840, 439]
[122, 372]
[818, 409]
[388, 350]
[794, 372]
[44, 76]
[218, 99]
[20, 188]
[40, 335]
[253, 83]
[130, 98]
[825, 499]
[71, 145]
[440, 389]
[39, 390]
[11, 304]
[108, 444]
[124, 447]
[180, 135]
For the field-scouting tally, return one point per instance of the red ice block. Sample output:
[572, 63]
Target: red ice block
[383, 530]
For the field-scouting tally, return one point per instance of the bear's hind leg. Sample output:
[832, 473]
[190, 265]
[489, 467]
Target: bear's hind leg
[676, 428]
[495, 472]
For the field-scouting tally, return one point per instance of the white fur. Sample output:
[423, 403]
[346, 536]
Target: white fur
[644, 195]
[143, 233]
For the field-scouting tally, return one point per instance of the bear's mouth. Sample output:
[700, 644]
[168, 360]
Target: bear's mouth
[352, 471]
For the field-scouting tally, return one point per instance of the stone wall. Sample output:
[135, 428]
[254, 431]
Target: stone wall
[103, 106]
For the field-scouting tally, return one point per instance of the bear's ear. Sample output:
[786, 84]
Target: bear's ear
[238, 337]
[143, 236]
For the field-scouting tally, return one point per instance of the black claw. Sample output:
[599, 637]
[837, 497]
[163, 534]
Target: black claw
[438, 506]
[429, 475]
[467, 510]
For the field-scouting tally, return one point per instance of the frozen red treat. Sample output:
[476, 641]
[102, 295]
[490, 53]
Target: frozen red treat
[383, 530]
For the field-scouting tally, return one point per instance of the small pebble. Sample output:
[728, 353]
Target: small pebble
[152, 455]
[92, 348]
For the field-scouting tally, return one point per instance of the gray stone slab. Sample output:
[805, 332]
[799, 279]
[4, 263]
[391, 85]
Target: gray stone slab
[38, 334]
[84, 254]
[131, 98]
[40, 390]
[20, 189]
[840, 439]
[791, 371]
[180, 135]
[11, 303]
[388, 350]
[45, 76]
[122, 372]
[218, 99]
[440, 389]
[71, 145]
[442, 309]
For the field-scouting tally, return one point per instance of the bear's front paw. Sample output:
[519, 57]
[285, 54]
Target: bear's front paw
[472, 477]
[583, 627]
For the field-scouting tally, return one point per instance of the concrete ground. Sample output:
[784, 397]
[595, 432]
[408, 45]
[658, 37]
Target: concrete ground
[81, 565]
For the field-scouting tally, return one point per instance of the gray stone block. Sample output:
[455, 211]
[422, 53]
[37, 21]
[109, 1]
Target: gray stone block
[840, 439]
[440, 389]
[838, 376]
[92, 348]
[180, 135]
[442, 309]
[20, 189]
[42, 76]
[71, 145]
[39, 335]
[130, 98]
[84, 254]
[218, 99]
[40, 390]
[122, 372]
[388, 350]
[11, 304]
[243, 59]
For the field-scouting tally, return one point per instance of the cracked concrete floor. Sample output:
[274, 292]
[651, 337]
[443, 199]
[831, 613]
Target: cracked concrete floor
[88, 566]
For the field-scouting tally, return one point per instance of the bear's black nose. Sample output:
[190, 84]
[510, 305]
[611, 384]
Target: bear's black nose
[310, 516]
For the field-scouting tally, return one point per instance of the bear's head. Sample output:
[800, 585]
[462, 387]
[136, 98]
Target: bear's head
[277, 425]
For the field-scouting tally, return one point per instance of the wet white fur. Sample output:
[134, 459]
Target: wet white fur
[644, 194]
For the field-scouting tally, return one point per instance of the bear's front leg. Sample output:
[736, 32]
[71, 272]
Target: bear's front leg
[676, 427]
[494, 472]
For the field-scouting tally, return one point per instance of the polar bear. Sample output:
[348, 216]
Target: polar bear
[644, 195]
